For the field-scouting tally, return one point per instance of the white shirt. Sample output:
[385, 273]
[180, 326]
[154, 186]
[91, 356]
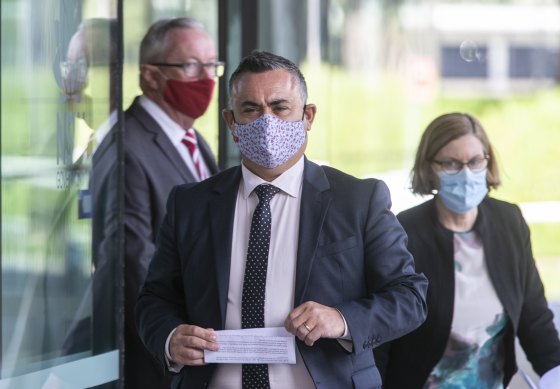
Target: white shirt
[280, 277]
[174, 132]
[476, 303]
[550, 379]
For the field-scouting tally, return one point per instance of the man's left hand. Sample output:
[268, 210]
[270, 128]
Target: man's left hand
[311, 321]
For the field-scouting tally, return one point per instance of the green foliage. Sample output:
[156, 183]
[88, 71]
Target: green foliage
[359, 123]
[544, 237]
[525, 134]
[366, 126]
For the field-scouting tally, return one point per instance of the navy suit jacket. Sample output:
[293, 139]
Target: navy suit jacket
[351, 255]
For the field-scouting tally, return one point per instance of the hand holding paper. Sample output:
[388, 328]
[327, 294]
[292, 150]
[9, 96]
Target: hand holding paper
[187, 343]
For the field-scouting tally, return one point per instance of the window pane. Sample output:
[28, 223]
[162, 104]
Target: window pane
[58, 271]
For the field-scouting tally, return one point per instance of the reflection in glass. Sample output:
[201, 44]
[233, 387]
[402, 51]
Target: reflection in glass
[61, 82]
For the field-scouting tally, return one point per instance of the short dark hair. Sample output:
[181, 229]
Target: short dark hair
[262, 61]
[439, 133]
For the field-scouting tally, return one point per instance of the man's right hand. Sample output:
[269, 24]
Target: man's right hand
[188, 343]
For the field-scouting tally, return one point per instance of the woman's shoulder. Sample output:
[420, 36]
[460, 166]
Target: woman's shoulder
[500, 215]
[499, 207]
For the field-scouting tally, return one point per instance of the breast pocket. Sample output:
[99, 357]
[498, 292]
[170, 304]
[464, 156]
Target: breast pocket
[336, 247]
[337, 272]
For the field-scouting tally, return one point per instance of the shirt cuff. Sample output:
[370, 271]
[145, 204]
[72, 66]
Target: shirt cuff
[171, 366]
[346, 339]
[550, 379]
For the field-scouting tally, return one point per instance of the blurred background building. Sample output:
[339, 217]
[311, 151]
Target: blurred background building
[378, 70]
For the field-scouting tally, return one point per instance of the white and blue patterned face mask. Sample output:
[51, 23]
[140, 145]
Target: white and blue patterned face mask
[463, 191]
[268, 141]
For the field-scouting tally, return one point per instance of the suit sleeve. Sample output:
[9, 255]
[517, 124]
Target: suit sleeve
[160, 306]
[395, 302]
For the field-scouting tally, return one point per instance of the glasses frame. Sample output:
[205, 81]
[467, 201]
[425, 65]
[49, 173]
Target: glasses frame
[218, 67]
[462, 164]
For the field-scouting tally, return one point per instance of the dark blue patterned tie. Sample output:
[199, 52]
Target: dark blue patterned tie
[252, 302]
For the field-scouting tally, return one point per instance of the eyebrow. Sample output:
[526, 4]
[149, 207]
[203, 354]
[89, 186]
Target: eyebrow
[249, 103]
[278, 102]
[459, 160]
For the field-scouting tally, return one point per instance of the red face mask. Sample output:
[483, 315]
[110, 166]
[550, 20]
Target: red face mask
[189, 97]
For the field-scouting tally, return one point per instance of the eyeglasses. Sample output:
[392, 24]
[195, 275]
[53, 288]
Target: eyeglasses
[193, 69]
[453, 166]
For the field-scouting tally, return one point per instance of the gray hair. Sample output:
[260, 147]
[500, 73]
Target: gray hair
[153, 47]
[262, 61]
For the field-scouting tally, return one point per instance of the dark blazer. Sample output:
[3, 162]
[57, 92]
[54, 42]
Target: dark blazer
[407, 362]
[351, 255]
[152, 167]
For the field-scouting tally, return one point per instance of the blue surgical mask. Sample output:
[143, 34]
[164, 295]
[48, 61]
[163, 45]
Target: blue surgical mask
[463, 191]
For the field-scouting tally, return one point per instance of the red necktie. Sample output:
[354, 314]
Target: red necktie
[189, 140]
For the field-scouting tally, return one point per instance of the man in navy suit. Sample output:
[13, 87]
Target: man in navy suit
[338, 276]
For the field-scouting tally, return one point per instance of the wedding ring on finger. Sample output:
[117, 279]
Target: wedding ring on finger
[307, 327]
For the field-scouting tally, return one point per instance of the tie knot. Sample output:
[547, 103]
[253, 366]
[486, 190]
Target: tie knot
[190, 136]
[266, 192]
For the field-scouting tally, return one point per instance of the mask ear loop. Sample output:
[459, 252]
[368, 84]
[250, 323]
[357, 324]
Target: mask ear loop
[164, 77]
[160, 72]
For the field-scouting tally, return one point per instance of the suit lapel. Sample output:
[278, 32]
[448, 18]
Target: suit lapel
[315, 201]
[161, 140]
[222, 211]
[207, 155]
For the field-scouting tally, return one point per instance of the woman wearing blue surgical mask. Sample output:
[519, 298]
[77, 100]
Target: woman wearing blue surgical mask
[484, 287]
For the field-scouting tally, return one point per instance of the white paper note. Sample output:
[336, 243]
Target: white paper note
[254, 345]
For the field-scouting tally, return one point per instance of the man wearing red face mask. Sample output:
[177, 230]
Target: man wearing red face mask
[178, 69]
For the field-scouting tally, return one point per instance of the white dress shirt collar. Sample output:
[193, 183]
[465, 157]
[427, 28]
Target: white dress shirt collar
[289, 182]
[173, 130]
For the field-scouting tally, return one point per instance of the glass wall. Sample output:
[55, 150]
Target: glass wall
[60, 77]
[63, 90]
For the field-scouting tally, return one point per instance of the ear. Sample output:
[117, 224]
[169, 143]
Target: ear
[150, 76]
[227, 115]
[309, 115]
